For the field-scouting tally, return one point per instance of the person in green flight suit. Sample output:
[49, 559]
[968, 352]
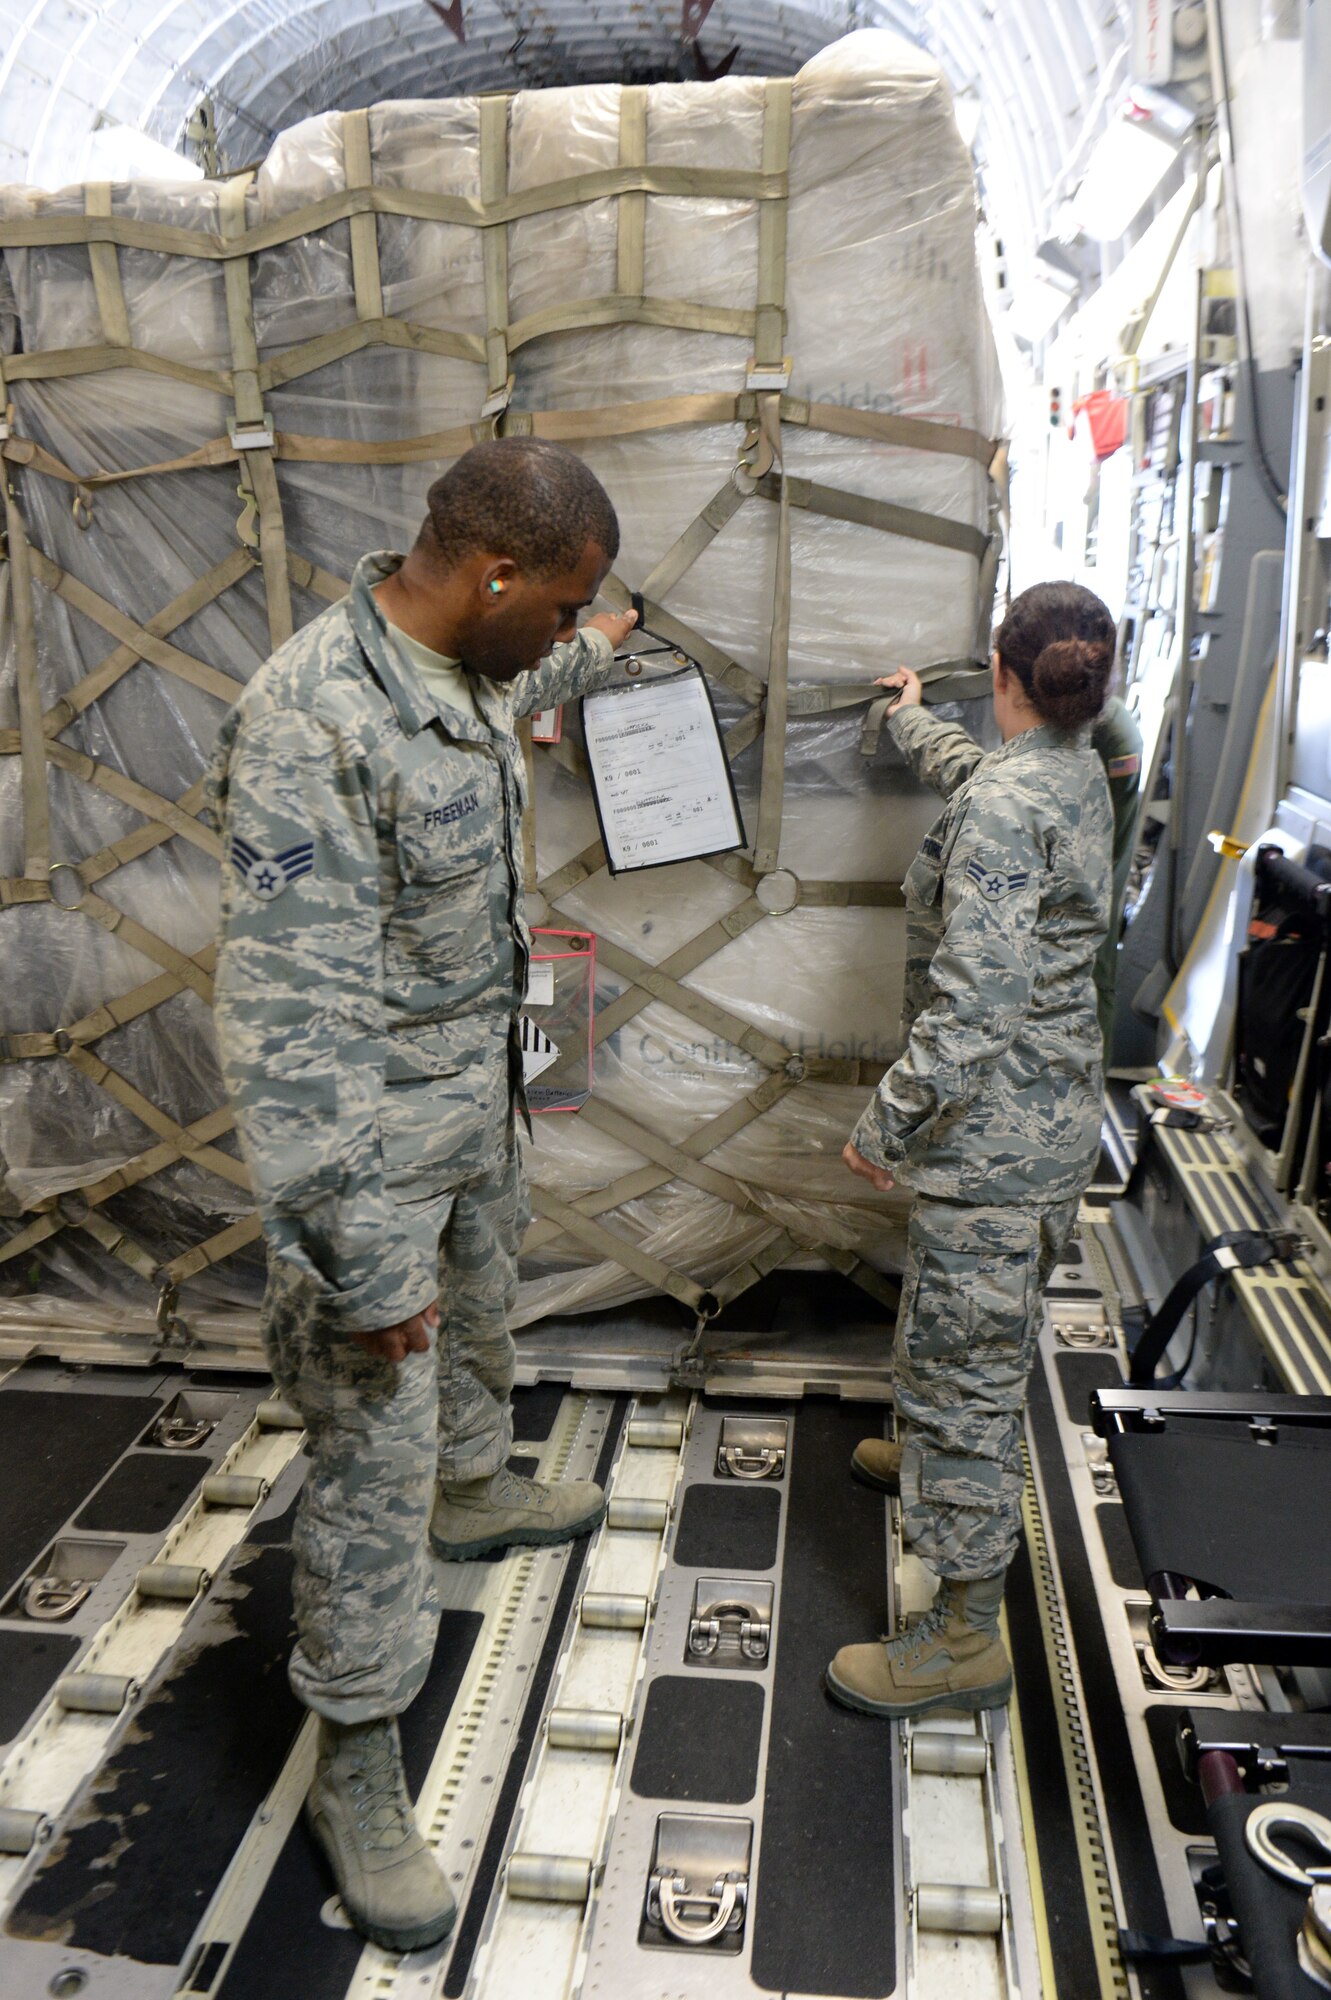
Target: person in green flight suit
[1117, 740]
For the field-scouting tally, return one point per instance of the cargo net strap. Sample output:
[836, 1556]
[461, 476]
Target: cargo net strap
[765, 409]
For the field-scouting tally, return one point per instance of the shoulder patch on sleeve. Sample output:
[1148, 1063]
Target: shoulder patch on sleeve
[1124, 767]
[995, 883]
[267, 875]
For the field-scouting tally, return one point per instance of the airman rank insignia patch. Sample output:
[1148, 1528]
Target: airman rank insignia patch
[993, 883]
[267, 875]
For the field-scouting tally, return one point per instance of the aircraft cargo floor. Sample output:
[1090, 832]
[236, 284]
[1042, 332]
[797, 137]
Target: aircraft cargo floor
[623, 1755]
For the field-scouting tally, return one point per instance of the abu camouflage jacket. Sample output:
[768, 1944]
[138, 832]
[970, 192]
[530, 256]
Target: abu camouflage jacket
[1117, 742]
[996, 1096]
[373, 951]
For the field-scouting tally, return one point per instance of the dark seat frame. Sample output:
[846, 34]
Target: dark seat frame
[1212, 1630]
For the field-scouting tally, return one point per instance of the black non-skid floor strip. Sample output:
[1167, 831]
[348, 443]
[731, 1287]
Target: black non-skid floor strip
[144, 1493]
[1124, 1568]
[699, 1740]
[472, 1920]
[287, 1949]
[55, 1447]
[1078, 1374]
[30, 1665]
[1139, 1877]
[1183, 1799]
[1055, 1861]
[535, 1410]
[201, 1976]
[154, 1830]
[824, 1916]
[728, 1526]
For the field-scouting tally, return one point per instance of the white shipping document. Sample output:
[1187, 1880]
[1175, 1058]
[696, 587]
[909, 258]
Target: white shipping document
[540, 983]
[538, 1051]
[660, 772]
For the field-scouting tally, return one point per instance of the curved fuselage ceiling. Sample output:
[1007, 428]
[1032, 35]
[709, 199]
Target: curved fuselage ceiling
[1035, 81]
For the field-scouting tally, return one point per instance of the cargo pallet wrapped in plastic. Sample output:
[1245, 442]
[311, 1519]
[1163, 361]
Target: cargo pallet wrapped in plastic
[754, 307]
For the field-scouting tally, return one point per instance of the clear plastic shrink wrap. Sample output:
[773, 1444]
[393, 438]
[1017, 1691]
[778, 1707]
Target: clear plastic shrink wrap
[883, 314]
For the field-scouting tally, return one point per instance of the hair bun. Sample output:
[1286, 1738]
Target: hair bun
[1068, 681]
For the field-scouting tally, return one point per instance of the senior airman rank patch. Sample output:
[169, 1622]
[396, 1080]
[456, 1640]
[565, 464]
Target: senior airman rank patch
[267, 875]
[994, 883]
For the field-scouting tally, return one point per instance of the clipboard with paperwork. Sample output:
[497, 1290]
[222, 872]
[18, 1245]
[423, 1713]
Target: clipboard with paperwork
[660, 776]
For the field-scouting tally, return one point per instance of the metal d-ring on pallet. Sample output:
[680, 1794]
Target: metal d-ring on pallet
[763, 406]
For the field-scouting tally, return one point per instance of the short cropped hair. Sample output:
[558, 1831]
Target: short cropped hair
[524, 498]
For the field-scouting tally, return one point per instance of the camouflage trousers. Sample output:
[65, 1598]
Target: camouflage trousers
[379, 1434]
[965, 1344]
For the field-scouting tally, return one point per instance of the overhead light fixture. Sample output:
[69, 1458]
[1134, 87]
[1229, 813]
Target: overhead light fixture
[121, 153]
[1126, 166]
[1035, 309]
[968, 111]
[1056, 265]
[1169, 115]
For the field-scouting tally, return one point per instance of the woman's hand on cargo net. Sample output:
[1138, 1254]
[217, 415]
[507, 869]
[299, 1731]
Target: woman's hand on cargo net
[409, 1336]
[877, 1177]
[905, 685]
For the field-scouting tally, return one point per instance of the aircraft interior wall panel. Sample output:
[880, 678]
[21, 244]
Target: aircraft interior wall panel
[1310, 762]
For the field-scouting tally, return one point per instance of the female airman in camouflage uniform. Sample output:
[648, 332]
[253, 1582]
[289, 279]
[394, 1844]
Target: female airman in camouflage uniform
[992, 1116]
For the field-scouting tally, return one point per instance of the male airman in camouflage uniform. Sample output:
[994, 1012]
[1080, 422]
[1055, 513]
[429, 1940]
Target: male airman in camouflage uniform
[992, 1116]
[373, 960]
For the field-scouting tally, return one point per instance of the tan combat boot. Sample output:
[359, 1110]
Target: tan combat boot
[359, 1811]
[875, 1462]
[952, 1659]
[507, 1511]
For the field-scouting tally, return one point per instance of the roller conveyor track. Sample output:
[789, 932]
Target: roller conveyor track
[583, 1708]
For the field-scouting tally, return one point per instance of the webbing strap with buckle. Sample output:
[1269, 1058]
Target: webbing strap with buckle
[1234, 1250]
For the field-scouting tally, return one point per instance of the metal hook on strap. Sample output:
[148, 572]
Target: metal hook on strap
[761, 449]
[756, 459]
[689, 1368]
[173, 1329]
[1282, 1815]
[247, 524]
